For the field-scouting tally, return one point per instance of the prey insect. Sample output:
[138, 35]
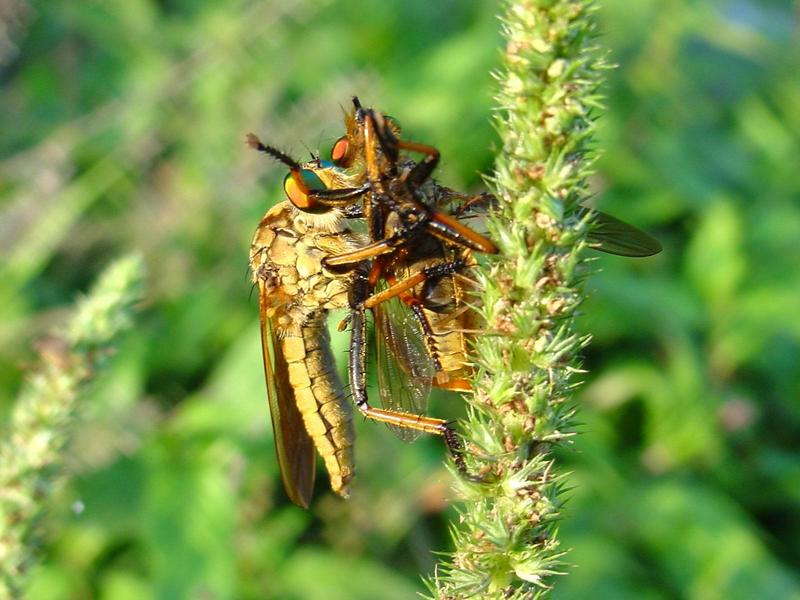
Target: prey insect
[419, 253]
[419, 250]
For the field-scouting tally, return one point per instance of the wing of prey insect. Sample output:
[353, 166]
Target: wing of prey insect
[405, 368]
[609, 234]
[293, 445]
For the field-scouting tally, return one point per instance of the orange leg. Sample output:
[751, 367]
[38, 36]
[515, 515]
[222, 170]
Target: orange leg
[373, 250]
[450, 229]
[402, 285]
[358, 382]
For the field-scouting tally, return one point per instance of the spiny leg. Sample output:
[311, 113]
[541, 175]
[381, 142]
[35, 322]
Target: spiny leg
[358, 382]
[400, 286]
[374, 249]
[451, 230]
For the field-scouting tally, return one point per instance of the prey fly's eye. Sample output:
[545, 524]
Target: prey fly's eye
[339, 150]
[297, 186]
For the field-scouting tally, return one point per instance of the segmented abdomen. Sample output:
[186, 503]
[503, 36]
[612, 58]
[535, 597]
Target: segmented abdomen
[320, 397]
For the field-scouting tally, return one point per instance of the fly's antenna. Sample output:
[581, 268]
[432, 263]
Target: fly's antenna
[313, 156]
[255, 143]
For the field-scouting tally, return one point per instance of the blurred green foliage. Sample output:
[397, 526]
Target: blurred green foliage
[123, 125]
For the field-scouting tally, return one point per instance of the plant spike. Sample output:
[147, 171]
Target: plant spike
[506, 543]
[33, 442]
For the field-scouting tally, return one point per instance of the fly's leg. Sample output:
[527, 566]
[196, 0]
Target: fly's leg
[451, 230]
[417, 310]
[402, 285]
[338, 197]
[346, 260]
[358, 382]
[374, 249]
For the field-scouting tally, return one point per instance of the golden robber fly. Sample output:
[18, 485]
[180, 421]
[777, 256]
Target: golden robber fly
[296, 290]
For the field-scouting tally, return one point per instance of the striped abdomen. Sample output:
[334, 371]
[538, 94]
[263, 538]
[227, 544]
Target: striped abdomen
[320, 397]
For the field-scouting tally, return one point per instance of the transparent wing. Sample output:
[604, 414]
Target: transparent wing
[293, 445]
[609, 234]
[613, 236]
[405, 368]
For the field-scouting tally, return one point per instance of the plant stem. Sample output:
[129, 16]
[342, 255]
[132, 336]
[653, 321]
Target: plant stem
[506, 543]
[39, 428]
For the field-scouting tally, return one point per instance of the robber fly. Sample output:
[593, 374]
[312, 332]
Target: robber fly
[296, 289]
[410, 264]
[306, 397]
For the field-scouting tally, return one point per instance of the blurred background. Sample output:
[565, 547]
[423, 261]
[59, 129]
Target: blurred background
[123, 124]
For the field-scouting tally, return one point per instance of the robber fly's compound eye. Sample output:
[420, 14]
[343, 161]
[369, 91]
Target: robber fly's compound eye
[297, 186]
[339, 151]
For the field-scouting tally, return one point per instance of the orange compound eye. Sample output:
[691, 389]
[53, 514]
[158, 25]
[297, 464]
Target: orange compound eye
[297, 186]
[339, 150]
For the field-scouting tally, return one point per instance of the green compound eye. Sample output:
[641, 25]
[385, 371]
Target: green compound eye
[298, 184]
[311, 180]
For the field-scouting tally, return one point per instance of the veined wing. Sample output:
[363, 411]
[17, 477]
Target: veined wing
[609, 234]
[405, 368]
[293, 445]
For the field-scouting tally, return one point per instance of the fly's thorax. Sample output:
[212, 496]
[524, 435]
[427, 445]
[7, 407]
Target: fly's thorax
[287, 256]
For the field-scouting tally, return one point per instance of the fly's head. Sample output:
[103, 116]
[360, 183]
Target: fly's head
[353, 149]
[301, 180]
[309, 214]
